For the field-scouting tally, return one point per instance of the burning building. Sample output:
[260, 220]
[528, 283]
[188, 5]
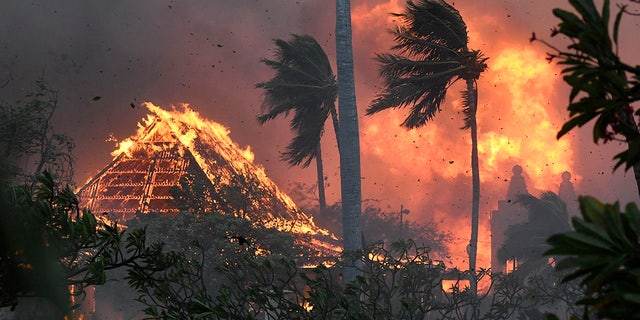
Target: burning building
[510, 213]
[178, 161]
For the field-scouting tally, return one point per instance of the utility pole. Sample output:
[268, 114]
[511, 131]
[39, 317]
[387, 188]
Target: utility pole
[402, 212]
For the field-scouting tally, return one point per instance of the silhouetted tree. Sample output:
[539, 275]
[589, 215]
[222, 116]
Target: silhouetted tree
[526, 241]
[200, 251]
[305, 85]
[28, 143]
[432, 55]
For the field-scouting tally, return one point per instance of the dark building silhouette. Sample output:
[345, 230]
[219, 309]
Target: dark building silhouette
[510, 213]
[568, 194]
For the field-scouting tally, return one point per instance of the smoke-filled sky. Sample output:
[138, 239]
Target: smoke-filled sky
[206, 53]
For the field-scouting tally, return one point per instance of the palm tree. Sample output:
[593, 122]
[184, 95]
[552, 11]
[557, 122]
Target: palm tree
[432, 54]
[527, 242]
[349, 143]
[305, 85]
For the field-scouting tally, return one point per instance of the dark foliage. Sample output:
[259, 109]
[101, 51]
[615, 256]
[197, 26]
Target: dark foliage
[49, 245]
[28, 143]
[432, 55]
[603, 87]
[195, 249]
[377, 224]
[304, 85]
[603, 253]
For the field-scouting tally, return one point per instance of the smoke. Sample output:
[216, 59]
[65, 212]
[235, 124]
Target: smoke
[207, 53]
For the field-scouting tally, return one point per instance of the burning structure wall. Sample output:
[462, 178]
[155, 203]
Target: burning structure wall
[178, 161]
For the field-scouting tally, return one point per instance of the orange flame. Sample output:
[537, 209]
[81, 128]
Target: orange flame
[196, 134]
[517, 125]
[429, 167]
[527, 135]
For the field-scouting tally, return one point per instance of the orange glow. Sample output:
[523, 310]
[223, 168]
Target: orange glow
[209, 142]
[428, 169]
[124, 146]
[27, 266]
[521, 108]
[527, 134]
[227, 147]
[516, 125]
[449, 286]
[511, 265]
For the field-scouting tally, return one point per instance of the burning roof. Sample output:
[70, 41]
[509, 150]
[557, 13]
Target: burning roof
[179, 161]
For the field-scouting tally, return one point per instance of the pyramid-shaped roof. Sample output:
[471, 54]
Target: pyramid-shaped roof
[176, 153]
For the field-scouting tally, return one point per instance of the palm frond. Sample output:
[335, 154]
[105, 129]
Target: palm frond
[394, 66]
[290, 71]
[309, 54]
[302, 54]
[431, 55]
[309, 126]
[305, 85]
[438, 22]
[467, 110]
[273, 110]
[417, 46]
[424, 97]
[549, 207]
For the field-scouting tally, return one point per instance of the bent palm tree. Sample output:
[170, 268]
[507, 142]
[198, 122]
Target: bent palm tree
[432, 55]
[304, 84]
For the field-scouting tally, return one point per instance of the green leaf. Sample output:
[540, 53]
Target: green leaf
[552, 317]
[632, 297]
[633, 216]
[567, 18]
[573, 122]
[562, 244]
[630, 156]
[589, 243]
[592, 230]
[606, 274]
[586, 8]
[605, 14]
[591, 209]
[96, 269]
[613, 220]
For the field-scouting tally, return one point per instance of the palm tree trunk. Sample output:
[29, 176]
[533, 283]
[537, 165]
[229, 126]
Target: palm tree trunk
[321, 193]
[336, 125]
[349, 145]
[475, 173]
